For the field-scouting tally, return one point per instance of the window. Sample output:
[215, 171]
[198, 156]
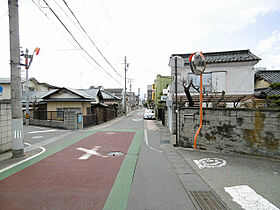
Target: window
[206, 82]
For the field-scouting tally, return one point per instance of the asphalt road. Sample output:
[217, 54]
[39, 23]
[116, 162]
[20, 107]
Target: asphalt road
[73, 170]
[260, 174]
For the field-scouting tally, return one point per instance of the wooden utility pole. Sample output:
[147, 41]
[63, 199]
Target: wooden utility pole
[16, 90]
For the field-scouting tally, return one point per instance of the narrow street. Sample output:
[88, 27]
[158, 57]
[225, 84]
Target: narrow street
[128, 163]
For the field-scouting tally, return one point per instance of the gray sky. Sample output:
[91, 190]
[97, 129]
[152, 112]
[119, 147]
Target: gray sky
[146, 31]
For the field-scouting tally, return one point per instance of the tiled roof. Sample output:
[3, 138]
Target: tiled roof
[271, 76]
[108, 95]
[268, 91]
[224, 56]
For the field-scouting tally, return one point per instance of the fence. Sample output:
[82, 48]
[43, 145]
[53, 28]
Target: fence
[47, 115]
[90, 120]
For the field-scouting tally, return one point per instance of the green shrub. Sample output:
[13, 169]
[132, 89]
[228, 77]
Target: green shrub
[275, 85]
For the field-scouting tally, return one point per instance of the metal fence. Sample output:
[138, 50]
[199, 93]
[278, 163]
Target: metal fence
[47, 115]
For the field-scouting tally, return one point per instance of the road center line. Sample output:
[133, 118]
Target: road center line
[147, 143]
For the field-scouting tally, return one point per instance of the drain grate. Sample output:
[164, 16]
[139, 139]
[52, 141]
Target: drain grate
[207, 200]
[115, 153]
[165, 141]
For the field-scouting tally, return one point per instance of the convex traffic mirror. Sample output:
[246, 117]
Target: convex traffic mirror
[197, 63]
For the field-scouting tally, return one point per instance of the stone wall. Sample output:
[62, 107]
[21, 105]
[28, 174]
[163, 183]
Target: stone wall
[70, 121]
[5, 126]
[244, 131]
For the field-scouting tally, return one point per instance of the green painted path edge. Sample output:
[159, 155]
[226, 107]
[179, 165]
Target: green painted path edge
[24, 165]
[119, 194]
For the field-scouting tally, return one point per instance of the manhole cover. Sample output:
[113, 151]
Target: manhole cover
[115, 153]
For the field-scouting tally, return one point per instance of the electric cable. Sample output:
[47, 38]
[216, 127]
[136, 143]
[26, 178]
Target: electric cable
[94, 67]
[91, 40]
[81, 47]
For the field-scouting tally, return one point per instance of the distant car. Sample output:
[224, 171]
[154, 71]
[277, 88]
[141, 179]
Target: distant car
[149, 114]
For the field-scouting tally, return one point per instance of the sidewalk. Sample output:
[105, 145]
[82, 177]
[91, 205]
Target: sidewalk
[202, 196]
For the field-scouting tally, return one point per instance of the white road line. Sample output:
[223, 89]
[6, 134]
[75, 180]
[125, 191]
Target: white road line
[37, 137]
[248, 199]
[44, 131]
[45, 142]
[147, 143]
[18, 163]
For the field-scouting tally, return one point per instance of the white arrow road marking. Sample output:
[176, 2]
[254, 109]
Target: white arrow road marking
[90, 152]
[210, 163]
[248, 199]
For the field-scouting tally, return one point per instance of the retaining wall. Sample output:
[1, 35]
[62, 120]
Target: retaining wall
[245, 131]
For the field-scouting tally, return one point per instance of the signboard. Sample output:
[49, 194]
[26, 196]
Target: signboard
[1, 91]
[164, 91]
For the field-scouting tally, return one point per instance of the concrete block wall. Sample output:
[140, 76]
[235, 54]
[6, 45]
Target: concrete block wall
[5, 126]
[70, 122]
[244, 131]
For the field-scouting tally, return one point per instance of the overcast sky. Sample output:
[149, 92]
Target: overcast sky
[146, 31]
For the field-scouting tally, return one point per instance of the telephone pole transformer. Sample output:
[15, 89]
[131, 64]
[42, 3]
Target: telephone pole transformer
[16, 91]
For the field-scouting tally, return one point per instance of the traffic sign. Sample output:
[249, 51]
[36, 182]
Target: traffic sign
[180, 62]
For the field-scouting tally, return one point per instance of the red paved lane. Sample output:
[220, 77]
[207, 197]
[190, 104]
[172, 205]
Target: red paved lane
[62, 181]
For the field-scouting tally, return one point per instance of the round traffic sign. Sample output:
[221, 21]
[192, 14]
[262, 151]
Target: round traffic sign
[180, 62]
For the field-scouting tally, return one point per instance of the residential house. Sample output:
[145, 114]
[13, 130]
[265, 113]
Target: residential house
[263, 81]
[228, 78]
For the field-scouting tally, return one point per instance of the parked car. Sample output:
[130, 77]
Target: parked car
[149, 114]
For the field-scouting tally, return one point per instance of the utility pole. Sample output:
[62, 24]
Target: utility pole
[16, 91]
[176, 104]
[125, 85]
[138, 101]
[27, 114]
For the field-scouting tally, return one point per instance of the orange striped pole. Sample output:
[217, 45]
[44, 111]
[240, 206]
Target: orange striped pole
[201, 114]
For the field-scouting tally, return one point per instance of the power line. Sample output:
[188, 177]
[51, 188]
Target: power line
[91, 39]
[79, 43]
[39, 7]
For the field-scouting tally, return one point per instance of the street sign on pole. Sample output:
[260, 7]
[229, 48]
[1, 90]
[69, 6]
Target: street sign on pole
[176, 62]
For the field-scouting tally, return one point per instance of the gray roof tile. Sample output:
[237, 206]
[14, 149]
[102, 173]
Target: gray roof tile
[224, 56]
[271, 76]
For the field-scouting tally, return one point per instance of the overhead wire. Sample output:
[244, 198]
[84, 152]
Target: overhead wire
[81, 47]
[94, 67]
[92, 40]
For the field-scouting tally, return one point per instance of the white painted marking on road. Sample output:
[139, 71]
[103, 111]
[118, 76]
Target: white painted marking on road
[37, 137]
[20, 162]
[44, 131]
[248, 199]
[137, 120]
[210, 163]
[110, 133]
[147, 143]
[90, 152]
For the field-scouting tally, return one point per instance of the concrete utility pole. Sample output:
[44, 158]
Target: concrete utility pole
[16, 91]
[125, 85]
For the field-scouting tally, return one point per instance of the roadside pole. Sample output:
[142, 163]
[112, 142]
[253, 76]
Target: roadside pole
[16, 91]
[124, 85]
[176, 105]
[27, 114]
